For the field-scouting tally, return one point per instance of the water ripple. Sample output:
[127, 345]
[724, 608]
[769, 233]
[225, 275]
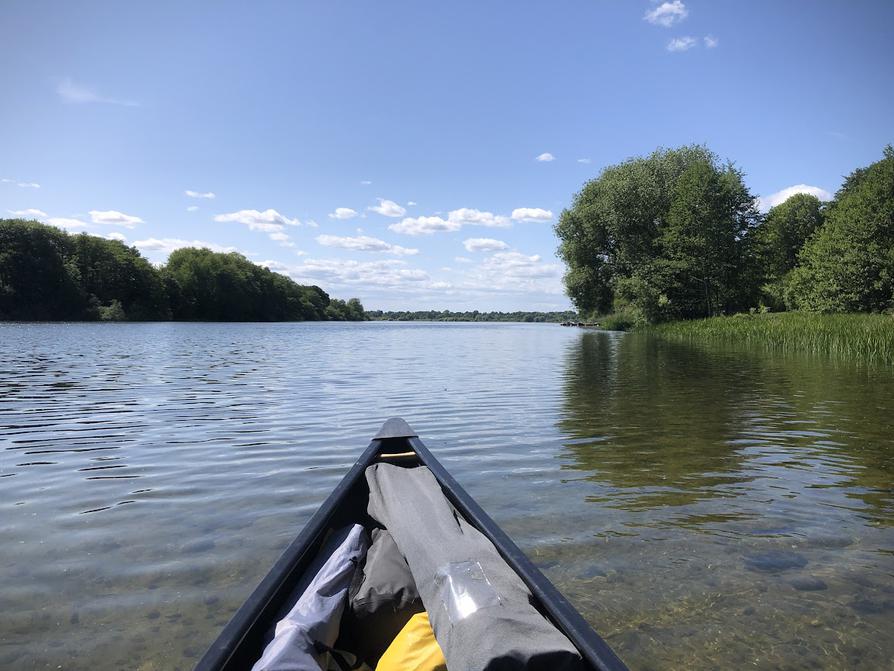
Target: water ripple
[699, 506]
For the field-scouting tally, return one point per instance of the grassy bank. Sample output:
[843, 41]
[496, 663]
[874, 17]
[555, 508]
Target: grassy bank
[868, 336]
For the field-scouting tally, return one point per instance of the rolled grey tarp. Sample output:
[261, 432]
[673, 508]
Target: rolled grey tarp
[480, 609]
[304, 636]
[381, 600]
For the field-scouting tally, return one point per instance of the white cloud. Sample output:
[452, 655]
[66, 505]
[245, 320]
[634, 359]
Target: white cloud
[209, 195]
[168, 245]
[20, 184]
[310, 223]
[388, 208]
[711, 41]
[114, 218]
[411, 203]
[764, 203]
[425, 226]
[516, 264]
[31, 213]
[75, 93]
[514, 272]
[681, 44]
[68, 223]
[268, 221]
[584, 160]
[667, 14]
[192, 208]
[282, 239]
[72, 224]
[456, 219]
[364, 243]
[531, 214]
[484, 245]
[341, 273]
[462, 259]
[473, 217]
[365, 182]
[343, 213]
[545, 157]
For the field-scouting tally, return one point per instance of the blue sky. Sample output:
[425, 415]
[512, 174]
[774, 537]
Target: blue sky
[389, 150]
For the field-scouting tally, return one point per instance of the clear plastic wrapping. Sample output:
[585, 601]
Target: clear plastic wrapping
[464, 589]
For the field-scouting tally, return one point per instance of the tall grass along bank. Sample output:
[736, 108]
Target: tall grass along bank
[866, 336]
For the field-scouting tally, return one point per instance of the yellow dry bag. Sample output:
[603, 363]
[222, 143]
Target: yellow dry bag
[414, 649]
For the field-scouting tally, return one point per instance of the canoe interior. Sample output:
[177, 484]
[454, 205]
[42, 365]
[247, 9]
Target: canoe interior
[242, 641]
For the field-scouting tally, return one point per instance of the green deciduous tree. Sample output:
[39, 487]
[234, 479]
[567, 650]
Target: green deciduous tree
[848, 265]
[46, 273]
[785, 230]
[781, 236]
[111, 272]
[668, 234]
[38, 277]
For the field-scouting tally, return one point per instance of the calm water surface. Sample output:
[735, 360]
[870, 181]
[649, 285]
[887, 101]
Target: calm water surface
[703, 508]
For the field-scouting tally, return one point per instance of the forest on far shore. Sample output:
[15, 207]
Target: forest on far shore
[48, 274]
[470, 316]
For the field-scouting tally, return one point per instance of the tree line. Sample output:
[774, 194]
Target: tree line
[48, 274]
[471, 316]
[678, 235]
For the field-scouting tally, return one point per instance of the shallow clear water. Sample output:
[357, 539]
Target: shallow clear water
[703, 508]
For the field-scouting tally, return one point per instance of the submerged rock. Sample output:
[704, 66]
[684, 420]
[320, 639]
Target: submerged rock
[593, 572]
[774, 561]
[872, 606]
[808, 584]
[829, 541]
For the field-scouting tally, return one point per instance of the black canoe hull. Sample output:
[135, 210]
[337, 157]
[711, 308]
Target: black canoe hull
[242, 641]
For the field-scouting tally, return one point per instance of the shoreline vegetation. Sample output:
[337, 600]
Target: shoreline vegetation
[865, 336]
[47, 274]
[675, 244]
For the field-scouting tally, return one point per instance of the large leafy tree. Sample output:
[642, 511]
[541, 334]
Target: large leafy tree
[848, 265]
[668, 234]
[110, 271]
[210, 286]
[38, 279]
[781, 236]
[785, 230]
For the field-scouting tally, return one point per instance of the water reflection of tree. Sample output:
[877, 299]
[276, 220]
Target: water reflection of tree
[650, 418]
[667, 424]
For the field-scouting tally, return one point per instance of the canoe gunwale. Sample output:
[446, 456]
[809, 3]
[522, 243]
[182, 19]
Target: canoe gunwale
[252, 621]
[285, 572]
[569, 621]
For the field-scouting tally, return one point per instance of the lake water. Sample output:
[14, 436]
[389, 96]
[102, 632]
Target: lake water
[703, 508]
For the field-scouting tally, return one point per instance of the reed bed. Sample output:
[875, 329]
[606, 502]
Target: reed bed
[864, 336]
